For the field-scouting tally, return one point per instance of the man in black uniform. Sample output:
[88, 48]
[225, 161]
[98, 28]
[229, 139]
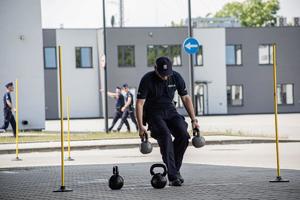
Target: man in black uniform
[8, 109]
[155, 107]
[128, 108]
[120, 102]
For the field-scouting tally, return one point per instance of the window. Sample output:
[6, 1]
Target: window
[235, 95]
[126, 56]
[265, 54]
[199, 57]
[177, 100]
[285, 94]
[234, 54]
[84, 57]
[50, 57]
[171, 51]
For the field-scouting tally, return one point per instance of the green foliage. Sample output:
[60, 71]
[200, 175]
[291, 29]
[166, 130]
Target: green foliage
[234, 9]
[251, 13]
[179, 24]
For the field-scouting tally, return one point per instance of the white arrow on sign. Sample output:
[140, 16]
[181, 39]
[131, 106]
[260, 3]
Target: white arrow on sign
[189, 45]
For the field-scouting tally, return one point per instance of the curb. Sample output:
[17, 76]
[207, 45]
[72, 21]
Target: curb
[136, 145]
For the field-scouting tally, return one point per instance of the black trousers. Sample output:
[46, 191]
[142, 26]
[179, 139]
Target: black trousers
[117, 116]
[126, 113]
[164, 124]
[9, 118]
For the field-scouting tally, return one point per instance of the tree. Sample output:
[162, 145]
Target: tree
[251, 13]
[179, 24]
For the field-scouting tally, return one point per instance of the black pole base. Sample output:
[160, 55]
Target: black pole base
[17, 159]
[279, 179]
[69, 159]
[63, 189]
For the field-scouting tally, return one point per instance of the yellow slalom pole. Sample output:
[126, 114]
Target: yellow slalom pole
[69, 137]
[278, 178]
[17, 120]
[276, 108]
[62, 187]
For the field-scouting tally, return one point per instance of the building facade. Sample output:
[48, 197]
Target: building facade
[210, 72]
[81, 73]
[21, 58]
[250, 69]
[131, 53]
[233, 69]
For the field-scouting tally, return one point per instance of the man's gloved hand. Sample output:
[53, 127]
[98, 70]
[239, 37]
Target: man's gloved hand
[142, 131]
[195, 123]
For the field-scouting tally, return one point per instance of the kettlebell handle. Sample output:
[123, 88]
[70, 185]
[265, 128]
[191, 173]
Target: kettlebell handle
[145, 137]
[115, 170]
[196, 132]
[158, 165]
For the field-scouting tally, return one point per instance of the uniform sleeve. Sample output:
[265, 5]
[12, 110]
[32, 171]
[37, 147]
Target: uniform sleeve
[143, 89]
[180, 85]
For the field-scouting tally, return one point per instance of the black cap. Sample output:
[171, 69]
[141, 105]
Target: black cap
[9, 84]
[164, 66]
[125, 85]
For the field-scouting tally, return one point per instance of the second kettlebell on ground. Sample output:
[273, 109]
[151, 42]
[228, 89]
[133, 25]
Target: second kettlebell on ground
[158, 180]
[116, 181]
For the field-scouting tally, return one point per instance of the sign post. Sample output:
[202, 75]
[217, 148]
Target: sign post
[191, 46]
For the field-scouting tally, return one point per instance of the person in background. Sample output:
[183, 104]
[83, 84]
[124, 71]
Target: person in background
[8, 109]
[128, 108]
[119, 103]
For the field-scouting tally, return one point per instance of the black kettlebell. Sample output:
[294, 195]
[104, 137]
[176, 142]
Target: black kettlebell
[198, 141]
[158, 180]
[145, 146]
[116, 181]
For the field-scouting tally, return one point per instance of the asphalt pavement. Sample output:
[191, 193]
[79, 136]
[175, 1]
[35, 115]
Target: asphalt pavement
[201, 182]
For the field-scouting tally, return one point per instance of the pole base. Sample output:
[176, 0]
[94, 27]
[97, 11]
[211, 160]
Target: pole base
[63, 189]
[17, 159]
[279, 179]
[69, 159]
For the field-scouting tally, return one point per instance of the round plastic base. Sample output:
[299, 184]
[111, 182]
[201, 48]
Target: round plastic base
[69, 159]
[17, 159]
[63, 189]
[279, 179]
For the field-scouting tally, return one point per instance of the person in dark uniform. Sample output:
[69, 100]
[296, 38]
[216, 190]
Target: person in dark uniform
[8, 109]
[128, 108]
[155, 107]
[120, 102]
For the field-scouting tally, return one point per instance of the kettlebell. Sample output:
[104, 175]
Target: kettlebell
[158, 180]
[116, 181]
[145, 146]
[198, 141]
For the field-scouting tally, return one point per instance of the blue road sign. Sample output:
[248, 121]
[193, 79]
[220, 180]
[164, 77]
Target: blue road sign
[191, 45]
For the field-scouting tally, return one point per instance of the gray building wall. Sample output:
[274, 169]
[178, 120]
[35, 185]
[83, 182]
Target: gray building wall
[213, 71]
[80, 84]
[51, 84]
[140, 38]
[21, 57]
[257, 79]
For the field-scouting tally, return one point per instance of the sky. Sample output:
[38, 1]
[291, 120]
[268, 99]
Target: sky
[88, 13]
